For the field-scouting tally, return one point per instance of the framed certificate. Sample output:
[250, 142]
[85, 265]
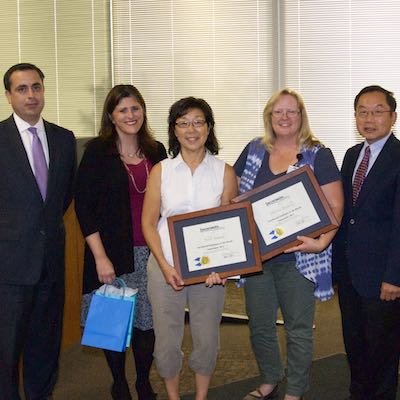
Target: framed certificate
[221, 239]
[287, 207]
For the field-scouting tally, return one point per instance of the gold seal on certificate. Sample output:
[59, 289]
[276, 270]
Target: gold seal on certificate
[287, 207]
[221, 239]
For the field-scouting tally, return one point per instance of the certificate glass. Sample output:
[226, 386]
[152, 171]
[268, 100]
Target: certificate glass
[221, 239]
[287, 207]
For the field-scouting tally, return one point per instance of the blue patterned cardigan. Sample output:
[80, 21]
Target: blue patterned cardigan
[315, 267]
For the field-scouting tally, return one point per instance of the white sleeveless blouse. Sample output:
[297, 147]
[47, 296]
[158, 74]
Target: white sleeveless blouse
[182, 192]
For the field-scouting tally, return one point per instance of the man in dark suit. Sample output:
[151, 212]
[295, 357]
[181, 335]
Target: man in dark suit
[366, 251]
[37, 165]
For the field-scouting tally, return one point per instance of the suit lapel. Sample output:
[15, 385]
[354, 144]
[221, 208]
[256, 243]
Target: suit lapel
[348, 178]
[18, 154]
[379, 167]
[53, 158]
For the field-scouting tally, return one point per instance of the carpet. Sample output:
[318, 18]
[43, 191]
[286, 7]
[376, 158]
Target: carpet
[329, 381]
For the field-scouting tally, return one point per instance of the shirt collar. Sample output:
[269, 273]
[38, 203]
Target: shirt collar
[377, 146]
[23, 125]
[178, 160]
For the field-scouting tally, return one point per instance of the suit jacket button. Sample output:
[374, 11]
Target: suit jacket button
[352, 221]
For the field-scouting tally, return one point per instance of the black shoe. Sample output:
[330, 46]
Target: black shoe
[120, 391]
[145, 391]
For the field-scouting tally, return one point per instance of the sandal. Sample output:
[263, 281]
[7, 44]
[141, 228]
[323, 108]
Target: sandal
[259, 396]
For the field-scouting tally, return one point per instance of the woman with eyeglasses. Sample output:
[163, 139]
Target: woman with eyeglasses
[193, 179]
[110, 188]
[289, 281]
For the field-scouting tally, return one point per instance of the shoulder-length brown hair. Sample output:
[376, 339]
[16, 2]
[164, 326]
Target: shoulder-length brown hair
[181, 108]
[306, 137]
[146, 142]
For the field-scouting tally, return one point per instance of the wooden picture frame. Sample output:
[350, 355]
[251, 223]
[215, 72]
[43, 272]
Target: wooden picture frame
[282, 205]
[221, 239]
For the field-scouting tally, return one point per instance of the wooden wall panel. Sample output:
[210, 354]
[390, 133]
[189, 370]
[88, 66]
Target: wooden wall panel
[74, 246]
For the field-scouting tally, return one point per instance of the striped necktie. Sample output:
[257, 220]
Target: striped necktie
[360, 174]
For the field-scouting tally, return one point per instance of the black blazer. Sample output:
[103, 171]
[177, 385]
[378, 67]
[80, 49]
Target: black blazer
[366, 248]
[32, 231]
[102, 205]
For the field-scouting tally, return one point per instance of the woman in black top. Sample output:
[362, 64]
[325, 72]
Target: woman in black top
[111, 183]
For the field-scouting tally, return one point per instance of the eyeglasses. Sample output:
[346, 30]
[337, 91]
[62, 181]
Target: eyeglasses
[197, 123]
[374, 113]
[288, 113]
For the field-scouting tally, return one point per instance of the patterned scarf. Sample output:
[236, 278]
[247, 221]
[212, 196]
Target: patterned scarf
[315, 267]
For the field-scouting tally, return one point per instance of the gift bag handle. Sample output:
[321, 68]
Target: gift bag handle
[120, 282]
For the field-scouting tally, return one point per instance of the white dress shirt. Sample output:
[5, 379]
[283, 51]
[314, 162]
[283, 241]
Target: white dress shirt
[27, 138]
[375, 149]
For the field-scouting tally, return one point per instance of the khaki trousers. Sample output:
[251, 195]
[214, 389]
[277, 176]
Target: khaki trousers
[205, 311]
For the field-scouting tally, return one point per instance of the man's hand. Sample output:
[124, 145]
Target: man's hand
[389, 291]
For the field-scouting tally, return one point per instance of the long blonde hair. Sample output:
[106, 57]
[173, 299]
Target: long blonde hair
[306, 138]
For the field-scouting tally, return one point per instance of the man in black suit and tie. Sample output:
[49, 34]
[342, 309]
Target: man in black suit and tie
[366, 251]
[37, 166]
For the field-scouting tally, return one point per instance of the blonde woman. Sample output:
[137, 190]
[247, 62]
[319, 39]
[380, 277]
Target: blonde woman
[288, 141]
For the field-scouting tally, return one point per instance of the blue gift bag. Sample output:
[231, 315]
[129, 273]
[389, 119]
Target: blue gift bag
[109, 321]
[131, 298]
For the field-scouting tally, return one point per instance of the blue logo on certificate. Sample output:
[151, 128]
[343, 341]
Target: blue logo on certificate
[276, 233]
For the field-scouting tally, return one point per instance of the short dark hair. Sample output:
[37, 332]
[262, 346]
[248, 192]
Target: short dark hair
[20, 67]
[376, 88]
[181, 108]
[146, 142]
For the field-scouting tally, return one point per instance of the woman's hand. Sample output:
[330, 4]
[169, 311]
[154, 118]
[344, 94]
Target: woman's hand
[104, 266]
[214, 279]
[105, 270]
[309, 245]
[172, 278]
[334, 194]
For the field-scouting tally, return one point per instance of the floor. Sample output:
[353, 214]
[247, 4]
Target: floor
[236, 360]
[84, 375]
